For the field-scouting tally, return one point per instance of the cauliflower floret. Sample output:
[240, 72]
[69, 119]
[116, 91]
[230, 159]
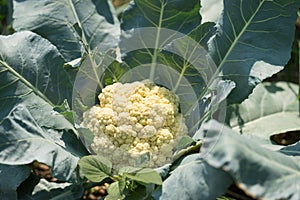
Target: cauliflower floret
[122, 119]
[102, 145]
[147, 131]
[135, 119]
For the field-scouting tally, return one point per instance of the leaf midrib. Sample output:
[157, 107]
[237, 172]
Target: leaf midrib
[84, 40]
[27, 83]
[235, 41]
[237, 38]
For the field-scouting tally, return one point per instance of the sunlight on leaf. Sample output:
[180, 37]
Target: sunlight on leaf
[74, 27]
[258, 171]
[248, 34]
[271, 109]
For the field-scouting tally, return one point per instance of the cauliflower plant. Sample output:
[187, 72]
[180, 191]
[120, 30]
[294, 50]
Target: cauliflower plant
[135, 119]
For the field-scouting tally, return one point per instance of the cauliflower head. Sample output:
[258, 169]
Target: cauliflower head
[134, 121]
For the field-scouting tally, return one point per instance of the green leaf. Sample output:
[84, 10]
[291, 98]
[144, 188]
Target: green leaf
[142, 175]
[203, 33]
[30, 59]
[271, 109]
[95, 168]
[159, 22]
[23, 141]
[33, 80]
[114, 71]
[72, 26]
[13, 176]
[179, 155]
[115, 192]
[195, 179]
[33, 75]
[260, 172]
[178, 15]
[249, 46]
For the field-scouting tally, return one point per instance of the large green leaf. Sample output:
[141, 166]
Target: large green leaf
[72, 26]
[250, 45]
[13, 176]
[260, 172]
[271, 109]
[149, 25]
[33, 77]
[181, 16]
[30, 129]
[23, 141]
[28, 58]
[195, 179]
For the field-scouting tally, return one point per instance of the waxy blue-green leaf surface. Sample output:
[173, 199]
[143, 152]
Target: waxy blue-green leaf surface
[23, 141]
[194, 179]
[11, 177]
[28, 58]
[72, 26]
[32, 79]
[271, 109]
[145, 25]
[253, 41]
[181, 16]
[33, 75]
[258, 171]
